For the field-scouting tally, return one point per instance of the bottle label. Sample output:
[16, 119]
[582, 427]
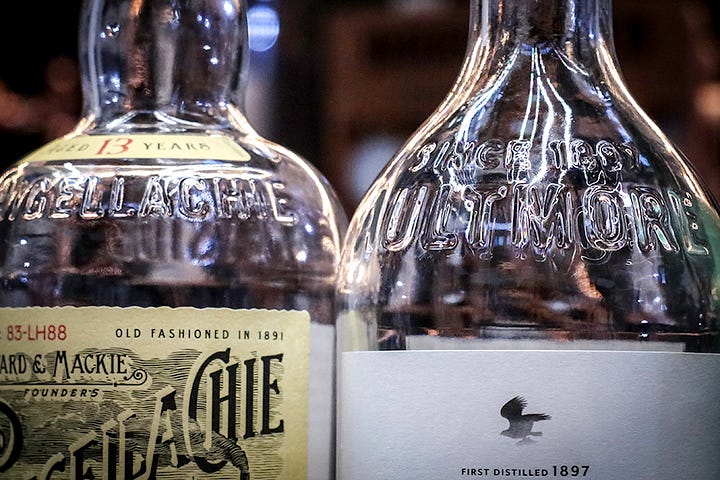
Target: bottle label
[103, 392]
[597, 415]
[83, 147]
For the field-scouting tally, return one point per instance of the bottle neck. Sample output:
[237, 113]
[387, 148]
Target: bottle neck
[579, 30]
[540, 21]
[179, 60]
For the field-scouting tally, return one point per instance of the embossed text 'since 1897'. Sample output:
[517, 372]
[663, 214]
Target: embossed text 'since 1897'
[455, 207]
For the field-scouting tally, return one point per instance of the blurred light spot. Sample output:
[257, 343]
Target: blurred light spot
[263, 27]
[111, 30]
[229, 8]
[707, 101]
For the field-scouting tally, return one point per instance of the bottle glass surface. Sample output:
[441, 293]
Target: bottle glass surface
[537, 247]
[167, 274]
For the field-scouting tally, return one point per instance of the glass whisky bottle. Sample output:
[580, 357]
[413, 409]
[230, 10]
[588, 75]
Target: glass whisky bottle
[166, 273]
[531, 286]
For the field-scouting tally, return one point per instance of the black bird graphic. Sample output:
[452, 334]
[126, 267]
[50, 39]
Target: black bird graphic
[521, 425]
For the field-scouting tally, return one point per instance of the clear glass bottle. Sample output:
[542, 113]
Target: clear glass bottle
[167, 274]
[531, 287]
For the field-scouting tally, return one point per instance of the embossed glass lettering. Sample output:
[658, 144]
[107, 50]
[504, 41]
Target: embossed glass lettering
[192, 197]
[479, 202]
[404, 218]
[472, 205]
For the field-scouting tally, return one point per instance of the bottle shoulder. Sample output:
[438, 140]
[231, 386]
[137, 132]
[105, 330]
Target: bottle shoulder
[256, 189]
[524, 209]
[147, 213]
[175, 158]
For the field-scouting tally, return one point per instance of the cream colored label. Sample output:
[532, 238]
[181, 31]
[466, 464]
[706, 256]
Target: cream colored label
[154, 392]
[218, 147]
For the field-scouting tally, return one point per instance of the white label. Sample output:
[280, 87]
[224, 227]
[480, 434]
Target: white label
[599, 415]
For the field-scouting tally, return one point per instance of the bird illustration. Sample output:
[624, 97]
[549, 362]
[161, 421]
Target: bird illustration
[521, 425]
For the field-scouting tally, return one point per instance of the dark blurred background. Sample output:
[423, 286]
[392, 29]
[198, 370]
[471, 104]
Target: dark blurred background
[343, 83]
